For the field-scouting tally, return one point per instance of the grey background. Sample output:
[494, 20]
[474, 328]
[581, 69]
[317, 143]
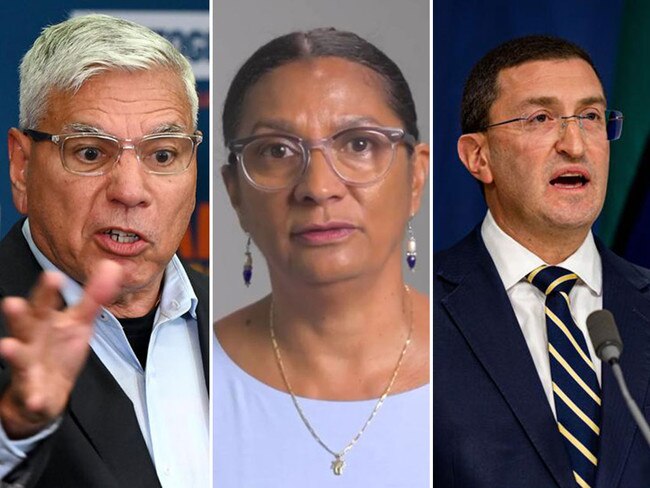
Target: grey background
[400, 28]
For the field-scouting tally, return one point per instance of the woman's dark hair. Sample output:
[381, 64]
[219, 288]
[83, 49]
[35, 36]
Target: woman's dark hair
[317, 43]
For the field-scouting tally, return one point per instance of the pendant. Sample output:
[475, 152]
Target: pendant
[337, 465]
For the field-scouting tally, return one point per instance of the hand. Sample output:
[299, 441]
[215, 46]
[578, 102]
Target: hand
[48, 347]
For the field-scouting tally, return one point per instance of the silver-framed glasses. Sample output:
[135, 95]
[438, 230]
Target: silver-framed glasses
[594, 123]
[359, 156]
[95, 154]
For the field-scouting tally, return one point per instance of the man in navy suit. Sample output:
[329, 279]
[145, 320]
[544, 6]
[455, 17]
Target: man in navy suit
[536, 133]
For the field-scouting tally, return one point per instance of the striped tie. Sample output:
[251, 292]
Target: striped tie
[576, 391]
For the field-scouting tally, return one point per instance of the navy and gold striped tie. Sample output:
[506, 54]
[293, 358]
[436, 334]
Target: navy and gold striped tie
[576, 391]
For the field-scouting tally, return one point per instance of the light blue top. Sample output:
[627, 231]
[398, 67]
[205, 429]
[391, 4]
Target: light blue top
[260, 441]
[169, 397]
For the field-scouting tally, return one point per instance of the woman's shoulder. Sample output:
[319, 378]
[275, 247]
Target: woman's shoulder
[421, 312]
[243, 336]
[420, 300]
[241, 321]
[415, 372]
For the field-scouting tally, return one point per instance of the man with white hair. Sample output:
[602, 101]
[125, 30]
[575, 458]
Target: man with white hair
[105, 353]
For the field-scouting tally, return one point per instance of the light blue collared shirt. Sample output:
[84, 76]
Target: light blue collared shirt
[170, 398]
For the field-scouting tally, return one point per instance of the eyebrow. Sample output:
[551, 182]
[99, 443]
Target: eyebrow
[344, 123]
[550, 101]
[79, 127]
[168, 129]
[160, 129]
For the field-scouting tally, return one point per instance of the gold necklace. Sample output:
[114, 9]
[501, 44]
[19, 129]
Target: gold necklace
[339, 461]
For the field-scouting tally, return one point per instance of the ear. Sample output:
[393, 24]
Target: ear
[420, 171]
[231, 181]
[19, 146]
[474, 152]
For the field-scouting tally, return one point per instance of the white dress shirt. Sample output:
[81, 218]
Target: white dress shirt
[513, 262]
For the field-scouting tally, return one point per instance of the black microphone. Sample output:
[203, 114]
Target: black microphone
[608, 346]
[604, 335]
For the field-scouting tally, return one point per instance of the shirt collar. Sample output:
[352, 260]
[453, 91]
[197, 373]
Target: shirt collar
[177, 297]
[513, 261]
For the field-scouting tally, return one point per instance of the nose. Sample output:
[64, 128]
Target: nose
[127, 181]
[319, 183]
[571, 141]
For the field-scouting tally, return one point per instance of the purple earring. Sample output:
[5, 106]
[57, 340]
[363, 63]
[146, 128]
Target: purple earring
[248, 263]
[411, 248]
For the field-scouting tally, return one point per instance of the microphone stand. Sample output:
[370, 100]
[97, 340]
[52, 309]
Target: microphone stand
[631, 404]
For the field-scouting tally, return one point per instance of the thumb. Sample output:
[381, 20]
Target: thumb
[102, 288]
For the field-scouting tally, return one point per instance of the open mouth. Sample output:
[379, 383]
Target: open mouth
[570, 180]
[122, 237]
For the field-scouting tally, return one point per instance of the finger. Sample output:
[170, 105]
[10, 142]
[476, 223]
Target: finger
[14, 352]
[16, 311]
[45, 296]
[102, 288]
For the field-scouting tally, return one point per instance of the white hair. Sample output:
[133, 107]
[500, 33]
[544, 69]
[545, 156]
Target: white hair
[66, 55]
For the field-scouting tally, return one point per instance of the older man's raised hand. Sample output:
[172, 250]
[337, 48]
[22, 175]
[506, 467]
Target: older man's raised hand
[48, 347]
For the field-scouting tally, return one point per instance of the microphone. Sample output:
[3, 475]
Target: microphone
[608, 346]
[604, 335]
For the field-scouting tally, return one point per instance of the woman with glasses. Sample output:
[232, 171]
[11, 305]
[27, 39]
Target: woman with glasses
[325, 381]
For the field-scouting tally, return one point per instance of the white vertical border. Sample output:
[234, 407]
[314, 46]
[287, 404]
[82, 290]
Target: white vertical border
[430, 250]
[211, 227]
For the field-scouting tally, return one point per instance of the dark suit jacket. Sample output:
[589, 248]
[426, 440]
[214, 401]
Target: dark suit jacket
[492, 425]
[99, 443]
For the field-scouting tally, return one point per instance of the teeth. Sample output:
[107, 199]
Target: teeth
[123, 237]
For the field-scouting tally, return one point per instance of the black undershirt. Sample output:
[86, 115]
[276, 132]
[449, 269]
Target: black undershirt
[138, 332]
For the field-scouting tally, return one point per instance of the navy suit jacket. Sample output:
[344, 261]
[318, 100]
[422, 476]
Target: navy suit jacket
[492, 425]
[99, 443]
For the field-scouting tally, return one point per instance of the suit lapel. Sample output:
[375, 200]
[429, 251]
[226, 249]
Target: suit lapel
[626, 294]
[201, 289]
[480, 308]
[103, 412]
[203, 320]
[20, 269]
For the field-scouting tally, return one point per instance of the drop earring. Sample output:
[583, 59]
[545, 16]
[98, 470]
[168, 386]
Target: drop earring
[248, 263]
[411, 248]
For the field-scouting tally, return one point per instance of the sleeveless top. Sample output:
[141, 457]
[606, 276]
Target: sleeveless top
[261, 442]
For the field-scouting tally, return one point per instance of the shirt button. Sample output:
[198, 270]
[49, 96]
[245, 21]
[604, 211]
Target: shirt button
[103, 317]
[174, 304]
[167, 471]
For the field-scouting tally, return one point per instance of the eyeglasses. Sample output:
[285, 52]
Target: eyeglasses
[593, 123]
[358, 156]
[90, 154]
